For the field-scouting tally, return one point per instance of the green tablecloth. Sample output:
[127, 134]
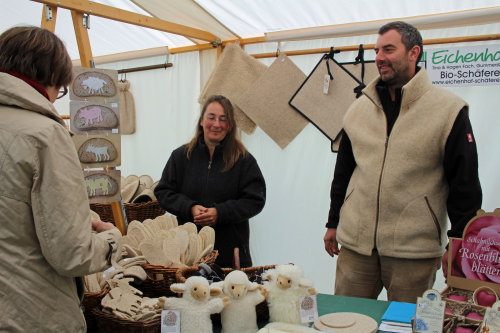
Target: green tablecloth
[370, 307]
[332, 303]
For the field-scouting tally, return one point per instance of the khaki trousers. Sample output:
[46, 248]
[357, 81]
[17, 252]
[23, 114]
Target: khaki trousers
[365, 276]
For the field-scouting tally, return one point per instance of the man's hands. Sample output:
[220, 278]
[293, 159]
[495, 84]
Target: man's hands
[204, 216]
[330, 239]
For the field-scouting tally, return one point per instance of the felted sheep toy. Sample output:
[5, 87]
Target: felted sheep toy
[285, 287]
[195, 306]
[240, 315]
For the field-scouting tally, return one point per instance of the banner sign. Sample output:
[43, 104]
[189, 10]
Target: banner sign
[464, 66]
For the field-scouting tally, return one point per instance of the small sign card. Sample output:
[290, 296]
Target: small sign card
[308, 308]
[170, 321]
[491, 322]
[429, 314]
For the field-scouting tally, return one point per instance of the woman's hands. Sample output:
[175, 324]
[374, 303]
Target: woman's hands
[100, 226]
[204, 216]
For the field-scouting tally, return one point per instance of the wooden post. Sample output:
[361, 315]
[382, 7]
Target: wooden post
[82, 39]
[49, 23]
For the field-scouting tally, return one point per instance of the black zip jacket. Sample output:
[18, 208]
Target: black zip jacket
[238, 194]
[460, 166]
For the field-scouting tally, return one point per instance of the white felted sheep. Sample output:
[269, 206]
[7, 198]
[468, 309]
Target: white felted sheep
[285, 287]
[240, 316]
[195, 306]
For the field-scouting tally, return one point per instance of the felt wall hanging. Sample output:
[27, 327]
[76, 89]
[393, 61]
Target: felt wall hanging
[102, 186]
[324, 99]
[98, 151]
[94, 117]
[233, 74]
[93, 83]
[127, 108]
[266, 101]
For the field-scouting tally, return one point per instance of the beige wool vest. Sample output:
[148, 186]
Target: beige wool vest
[396, 198]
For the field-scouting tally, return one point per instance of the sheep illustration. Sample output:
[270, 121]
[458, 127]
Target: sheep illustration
[102, 184]
[93, 84]
[91, 115]
[101, 153]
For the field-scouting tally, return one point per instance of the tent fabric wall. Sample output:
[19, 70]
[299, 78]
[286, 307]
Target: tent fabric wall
[291, 226]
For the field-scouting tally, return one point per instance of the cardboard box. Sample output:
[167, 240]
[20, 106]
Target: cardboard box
[473, 260]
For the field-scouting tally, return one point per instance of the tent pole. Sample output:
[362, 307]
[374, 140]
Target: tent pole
[82, 39]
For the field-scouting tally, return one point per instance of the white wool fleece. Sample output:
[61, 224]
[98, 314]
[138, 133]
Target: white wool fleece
[284, 303]
[195, 314]
[240, 316]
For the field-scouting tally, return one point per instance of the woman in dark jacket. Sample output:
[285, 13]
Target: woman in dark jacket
[214, 181]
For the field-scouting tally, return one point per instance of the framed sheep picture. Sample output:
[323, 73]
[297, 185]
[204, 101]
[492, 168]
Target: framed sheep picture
[102, 186]
[98, 151]
[94, 84]
[93, 117]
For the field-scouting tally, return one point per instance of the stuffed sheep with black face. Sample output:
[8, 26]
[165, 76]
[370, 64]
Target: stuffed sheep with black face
[285, 287]
[240, 315]
[195, 306]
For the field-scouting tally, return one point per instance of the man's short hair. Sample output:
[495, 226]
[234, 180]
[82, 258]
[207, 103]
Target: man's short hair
[410, 36]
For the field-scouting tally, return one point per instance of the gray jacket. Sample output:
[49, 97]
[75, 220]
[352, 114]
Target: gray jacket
[45, 232]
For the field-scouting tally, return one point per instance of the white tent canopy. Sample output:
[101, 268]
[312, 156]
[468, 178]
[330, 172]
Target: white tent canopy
[291, 226]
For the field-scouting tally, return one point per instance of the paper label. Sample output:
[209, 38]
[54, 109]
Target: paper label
[308, 308]
[106, 272]
[491, 322]
[326, 84]
[170, 321]
[429, 315]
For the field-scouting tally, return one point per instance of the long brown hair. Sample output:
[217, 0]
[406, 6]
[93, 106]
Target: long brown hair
[37, 54]
[233, 147]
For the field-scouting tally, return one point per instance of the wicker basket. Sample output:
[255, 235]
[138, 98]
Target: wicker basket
[161, 277]
[134, 211]
[253, 274]
[108, 323]
[92, 301]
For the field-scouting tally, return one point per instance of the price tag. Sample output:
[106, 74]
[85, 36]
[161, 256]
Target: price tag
[170, 321]
[326, 84]
[308, 308]
[106, 272]
[429, 315]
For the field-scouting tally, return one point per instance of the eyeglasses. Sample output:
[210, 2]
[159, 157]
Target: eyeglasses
[62, 92]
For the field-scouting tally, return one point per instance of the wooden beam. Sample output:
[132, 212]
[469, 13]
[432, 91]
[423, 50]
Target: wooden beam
[372, 46]
[112, 13]
[82, 39]
[49, 23]
[206, 46]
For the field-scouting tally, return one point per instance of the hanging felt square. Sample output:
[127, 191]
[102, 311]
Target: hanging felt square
[266, 101]
[233, 74]
[324, 100]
